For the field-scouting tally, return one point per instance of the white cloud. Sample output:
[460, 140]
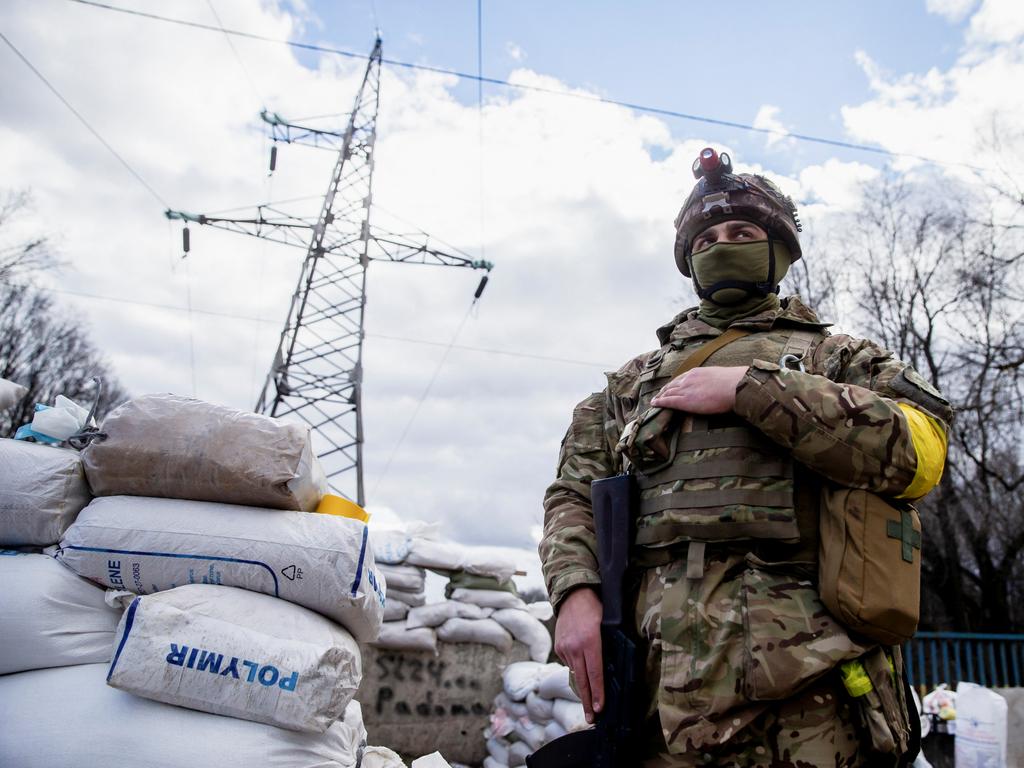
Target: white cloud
[952, 10]
[767, 118]
[514, 51]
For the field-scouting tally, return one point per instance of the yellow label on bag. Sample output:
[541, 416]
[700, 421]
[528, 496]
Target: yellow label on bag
[342, 507]
[855, 678]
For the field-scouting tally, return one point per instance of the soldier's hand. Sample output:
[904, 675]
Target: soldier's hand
[578, 645]
[702, 390]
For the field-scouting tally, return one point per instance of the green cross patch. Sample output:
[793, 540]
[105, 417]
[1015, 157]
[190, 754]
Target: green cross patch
[903, 529]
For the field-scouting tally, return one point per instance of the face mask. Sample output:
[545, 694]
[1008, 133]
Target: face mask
[730, 274]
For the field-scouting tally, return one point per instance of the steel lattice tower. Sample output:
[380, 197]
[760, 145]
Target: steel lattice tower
[317, 374]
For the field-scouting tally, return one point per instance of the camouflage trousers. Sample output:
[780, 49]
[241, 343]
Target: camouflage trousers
[740, 669]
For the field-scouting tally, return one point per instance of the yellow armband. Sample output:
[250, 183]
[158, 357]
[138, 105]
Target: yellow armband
[929, 439]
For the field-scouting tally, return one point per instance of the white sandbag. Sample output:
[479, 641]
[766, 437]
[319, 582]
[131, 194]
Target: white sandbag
[518, 753]
[541, 611]
[554, 730]
[408, 578]
[229, 651]
[486, 561]
[412, 599]
[527, 630]
[981, 727]
[433, 760]
[381, 757]
[395, 610]
[396, 636]
[180, 448]
[521, 677]
[436, 614]
[491, 762]
[541, 710]
[321, 562]
[554, 684]
[42, 490]
[513, 709]
[49, 617]
[486, 631]
[570, 715]
[67, 717]
[531, 733]
[10, 394]
[434, 553]
[488, 598]
[497, 748]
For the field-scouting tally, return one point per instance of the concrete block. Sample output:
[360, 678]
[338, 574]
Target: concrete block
[416, 703]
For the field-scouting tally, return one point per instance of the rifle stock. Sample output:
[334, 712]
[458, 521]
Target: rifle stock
[613, 742]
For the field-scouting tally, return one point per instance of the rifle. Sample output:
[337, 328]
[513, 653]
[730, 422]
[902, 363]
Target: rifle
[614, 740]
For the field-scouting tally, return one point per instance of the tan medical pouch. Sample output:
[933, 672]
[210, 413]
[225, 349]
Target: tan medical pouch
[869, 568]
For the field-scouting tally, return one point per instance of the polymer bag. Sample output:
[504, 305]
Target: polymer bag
[180, 448]
[231, 652]
[319, 561]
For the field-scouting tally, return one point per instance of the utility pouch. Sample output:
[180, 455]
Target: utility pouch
[869, 566]
[874, 683]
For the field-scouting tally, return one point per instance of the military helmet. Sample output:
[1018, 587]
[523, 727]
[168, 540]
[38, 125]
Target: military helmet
[721, 195]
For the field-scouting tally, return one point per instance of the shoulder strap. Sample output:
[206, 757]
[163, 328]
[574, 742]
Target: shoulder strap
[699, 357]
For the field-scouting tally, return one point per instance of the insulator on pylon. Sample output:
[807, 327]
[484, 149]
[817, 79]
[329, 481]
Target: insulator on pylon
[480, 288]
[273, 158]
[185, 245]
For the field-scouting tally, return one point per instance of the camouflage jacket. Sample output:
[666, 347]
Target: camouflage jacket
[841, 420]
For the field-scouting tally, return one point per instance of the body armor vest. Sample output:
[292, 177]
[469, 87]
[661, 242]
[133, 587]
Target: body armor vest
[714, 478]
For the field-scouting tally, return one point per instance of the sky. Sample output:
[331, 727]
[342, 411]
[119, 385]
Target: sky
[572, 199]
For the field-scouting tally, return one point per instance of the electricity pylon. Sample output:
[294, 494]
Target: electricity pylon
[317, 372]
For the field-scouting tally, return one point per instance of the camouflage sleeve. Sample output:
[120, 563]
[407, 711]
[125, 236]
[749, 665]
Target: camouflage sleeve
[856, 424]
[568, 547]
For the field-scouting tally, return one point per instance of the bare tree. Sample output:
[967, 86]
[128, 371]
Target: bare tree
[41, 346]
[940, 285]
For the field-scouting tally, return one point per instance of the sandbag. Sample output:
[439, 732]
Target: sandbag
[492, 762]
[321, 562]
[554, 684]
[10, 393]
[412, 599]
[541, 710]
[436, 614]
[497, 748]
[521, 677]
[381, 757]
[395, 610]
[437, 554]
[531, 733]
[527, 630]
[518, 753]
[486, 631]
[570, 715]
[488, 598]
[55, 718]
[408, 578]
[49, 617]
[42, 490]
[179, 448]
[554, 730]
[396, 636]
[228, 651]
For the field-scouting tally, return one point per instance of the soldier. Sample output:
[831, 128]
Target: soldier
[735, 428]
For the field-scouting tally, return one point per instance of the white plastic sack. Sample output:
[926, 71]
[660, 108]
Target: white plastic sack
[527, 630]
[531, 733]
[521, 677]
[497, 748]
[395, 610]
[433, 553]
[390, 545]
[49, 617]
[408, 578]
[518, 753]
[436, 614]
[541, 710]
[488, 598]
[396, 636]
[62, 420]
[228, 651]
[381, 757]
[176, 447]
[541, 611]
[554, 730]
[42, 490]
[513, 710]
[491, 762]
[68, 717]
[486, 561]
[570, 715]
[433, 760]
[321, 562]
[486, 631]
[981, 717]
[412, 599]
[554, 684]
[10, 394]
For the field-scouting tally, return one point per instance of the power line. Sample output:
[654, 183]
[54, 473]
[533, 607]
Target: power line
[85, 122]
[386, 337]
[538, 88]
[227, 37]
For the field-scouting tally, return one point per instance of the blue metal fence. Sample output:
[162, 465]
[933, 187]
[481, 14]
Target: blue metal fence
[992, 660]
